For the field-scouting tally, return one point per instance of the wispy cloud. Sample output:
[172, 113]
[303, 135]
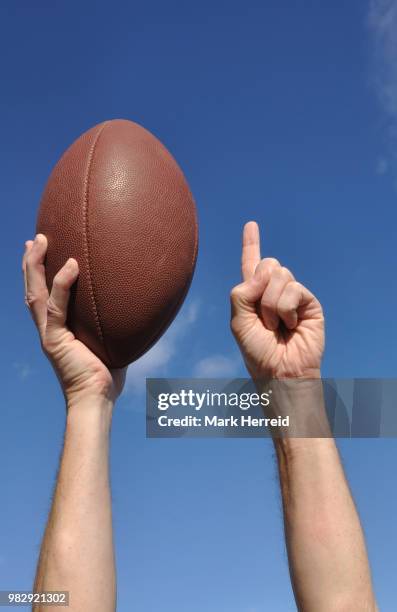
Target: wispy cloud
[382, 21]
[217, 366]
[23, 370]
[382, 166]
[154, 363]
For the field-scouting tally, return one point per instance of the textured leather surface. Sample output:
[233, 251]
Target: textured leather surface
[118, 202]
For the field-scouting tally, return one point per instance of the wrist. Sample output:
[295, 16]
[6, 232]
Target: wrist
[289, 450]
[308, 374]
[88, 397]
[299, 402]
[89, 409]
[283, 373]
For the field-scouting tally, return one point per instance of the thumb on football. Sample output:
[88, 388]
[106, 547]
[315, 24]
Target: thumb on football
[57, 304]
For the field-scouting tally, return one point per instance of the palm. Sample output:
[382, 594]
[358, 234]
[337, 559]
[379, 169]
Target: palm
[79, 369]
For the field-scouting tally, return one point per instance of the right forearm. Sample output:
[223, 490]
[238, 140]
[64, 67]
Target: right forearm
[326, 549]
[77, 550]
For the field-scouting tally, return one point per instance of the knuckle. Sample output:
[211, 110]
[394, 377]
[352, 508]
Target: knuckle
[49, 347]
[58, 281]
[293, 288]
[285, 272]
[50, 341]
[235, 293]
[31, 257]
[46, 342]
[318, 305]
[46, 345]
[235, 326]
[271, 261]
[287, 312]
[284, 307]
[52, 309]
[289, 298]
[28, 259]
[267, 303]
[31, 298]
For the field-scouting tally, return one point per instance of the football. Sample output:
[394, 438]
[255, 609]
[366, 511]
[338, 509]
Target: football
[118, 203]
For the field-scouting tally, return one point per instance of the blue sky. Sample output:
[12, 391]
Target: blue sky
[281, 112]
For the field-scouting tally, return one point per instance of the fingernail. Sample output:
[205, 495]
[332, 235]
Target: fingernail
[71, 263]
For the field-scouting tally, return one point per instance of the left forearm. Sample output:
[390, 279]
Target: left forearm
[326, 548]
[77, 551]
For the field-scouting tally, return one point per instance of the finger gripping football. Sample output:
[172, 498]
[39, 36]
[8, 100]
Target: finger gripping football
[119, 204]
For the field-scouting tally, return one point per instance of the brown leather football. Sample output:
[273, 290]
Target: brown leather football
[118, 202]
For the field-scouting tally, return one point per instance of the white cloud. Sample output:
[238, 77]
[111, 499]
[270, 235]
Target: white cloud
[216, 366]
[154, 363]
[382, 20]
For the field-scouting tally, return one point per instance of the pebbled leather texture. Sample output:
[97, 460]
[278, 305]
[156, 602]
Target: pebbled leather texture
[118, 202]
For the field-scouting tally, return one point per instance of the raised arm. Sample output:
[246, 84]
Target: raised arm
[279, 327]
[77, 549]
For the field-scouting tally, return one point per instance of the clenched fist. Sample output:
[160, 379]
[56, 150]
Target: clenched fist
[277, 322]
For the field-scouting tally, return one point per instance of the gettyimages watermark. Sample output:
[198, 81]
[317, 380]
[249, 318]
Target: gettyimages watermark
[345, 408]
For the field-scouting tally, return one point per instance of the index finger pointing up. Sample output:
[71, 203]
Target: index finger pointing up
[251, 253]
